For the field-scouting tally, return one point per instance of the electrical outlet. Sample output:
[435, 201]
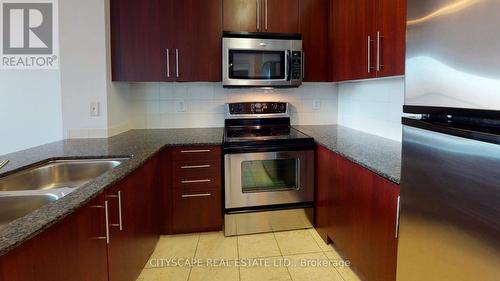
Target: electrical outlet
[181, 106]
[316, 104]
[95, 109]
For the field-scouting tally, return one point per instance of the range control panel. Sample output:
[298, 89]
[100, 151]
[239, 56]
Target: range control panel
[257, 108]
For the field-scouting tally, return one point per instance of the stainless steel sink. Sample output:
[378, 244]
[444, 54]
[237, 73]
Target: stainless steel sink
[31, 188]
[13, 207]
[58, 174]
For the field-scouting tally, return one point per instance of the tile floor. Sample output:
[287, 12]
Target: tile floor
[289, 256]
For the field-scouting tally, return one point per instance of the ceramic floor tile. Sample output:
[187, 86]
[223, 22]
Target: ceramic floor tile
[175, 246]
[214, 245]
[296, 242]
[165, 274]
[314, 266]
[258, 245]
[265, 269]
[321, 243]
[230, 273]
[348, 274]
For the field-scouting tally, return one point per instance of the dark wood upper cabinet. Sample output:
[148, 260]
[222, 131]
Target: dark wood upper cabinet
[367, 38]
[241, 15]
[353, 46]
[166, 40]
[392, 37]
[139, 39]
[313, 19]
[357, 210]
[280, 16]
[261, 15]
[198, 45]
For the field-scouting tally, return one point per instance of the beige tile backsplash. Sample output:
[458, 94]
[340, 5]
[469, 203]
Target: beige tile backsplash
[156, 104]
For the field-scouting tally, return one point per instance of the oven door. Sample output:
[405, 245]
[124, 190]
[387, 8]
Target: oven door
[258, 62]
[268, 178]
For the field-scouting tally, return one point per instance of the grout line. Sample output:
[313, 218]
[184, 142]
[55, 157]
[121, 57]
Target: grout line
[238, 255]
[279, 248]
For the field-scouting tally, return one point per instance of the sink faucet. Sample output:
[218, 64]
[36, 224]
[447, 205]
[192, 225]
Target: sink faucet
[3, 163]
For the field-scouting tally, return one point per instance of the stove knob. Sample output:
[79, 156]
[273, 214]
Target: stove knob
[258, 105]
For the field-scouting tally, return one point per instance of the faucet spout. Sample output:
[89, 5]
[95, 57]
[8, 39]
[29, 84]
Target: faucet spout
[3, 163]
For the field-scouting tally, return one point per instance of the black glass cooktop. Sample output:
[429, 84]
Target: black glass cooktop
[246, 134]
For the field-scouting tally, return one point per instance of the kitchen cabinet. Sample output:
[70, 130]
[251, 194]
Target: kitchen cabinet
[167, 40]
[109, 238]
[72, 249]
[367, 38]
[133, 227]
[140, 36]
[314, 17]
[261, 15]
[193, 189]
[357, 211]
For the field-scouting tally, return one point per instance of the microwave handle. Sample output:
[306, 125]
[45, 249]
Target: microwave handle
[288, 62]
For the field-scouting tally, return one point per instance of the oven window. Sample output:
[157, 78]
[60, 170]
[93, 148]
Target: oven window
[261, 65]
[269, 175]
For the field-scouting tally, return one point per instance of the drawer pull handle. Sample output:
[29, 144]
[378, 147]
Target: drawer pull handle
[195, 151]
[196, 181]
[196, 195]
[196, 167]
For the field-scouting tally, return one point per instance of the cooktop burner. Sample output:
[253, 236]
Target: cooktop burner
[250, 127]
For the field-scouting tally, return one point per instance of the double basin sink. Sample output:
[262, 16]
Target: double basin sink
[29, 189]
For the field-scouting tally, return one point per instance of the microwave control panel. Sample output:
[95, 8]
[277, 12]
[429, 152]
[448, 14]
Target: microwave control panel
[296, 65]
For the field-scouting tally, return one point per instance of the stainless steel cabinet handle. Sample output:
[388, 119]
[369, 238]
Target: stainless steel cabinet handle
[196, 181]
[397, 217]
[196, 166]
[120, 221]
[266, 14]
[168, 63]
[177, 63]
[196, 195]
[379, 46]
[107, 220]
[369, 53]
[258, 14]
[101, 237]
[195, 151]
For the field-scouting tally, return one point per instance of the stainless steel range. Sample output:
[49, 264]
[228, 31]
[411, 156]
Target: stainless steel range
[269, 170]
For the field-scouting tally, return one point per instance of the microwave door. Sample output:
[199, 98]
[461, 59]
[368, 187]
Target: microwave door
[257, 65]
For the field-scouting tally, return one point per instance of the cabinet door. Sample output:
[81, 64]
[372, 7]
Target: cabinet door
[72, 249]
[280, 16]
[363, 220]
[241, 15]
[198, 44]
[140, 37]
[354, 46]
[314, 28]
[391, 37]
[323, 189]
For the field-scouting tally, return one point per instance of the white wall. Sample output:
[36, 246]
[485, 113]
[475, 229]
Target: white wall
[30, 109]
[156, 103]
[86, 73]
[373, 106]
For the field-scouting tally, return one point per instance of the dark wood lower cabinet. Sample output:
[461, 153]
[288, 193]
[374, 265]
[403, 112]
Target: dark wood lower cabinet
[73, 249]
[192, 184]
[356, 210]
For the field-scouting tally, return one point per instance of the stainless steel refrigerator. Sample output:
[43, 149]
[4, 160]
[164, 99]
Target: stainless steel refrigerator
[450, 186]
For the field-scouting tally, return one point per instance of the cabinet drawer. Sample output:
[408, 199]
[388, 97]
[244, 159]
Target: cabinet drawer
[201, 168]
[194, 153]
[196, 211]
[197, 181]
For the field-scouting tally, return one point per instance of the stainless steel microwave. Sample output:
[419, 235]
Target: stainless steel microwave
[261, 60]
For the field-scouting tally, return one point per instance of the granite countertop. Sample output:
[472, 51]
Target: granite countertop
[140, 144]
[380, 155]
